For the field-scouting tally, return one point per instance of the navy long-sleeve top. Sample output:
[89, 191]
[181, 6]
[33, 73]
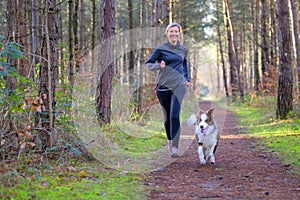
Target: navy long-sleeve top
[176, 72]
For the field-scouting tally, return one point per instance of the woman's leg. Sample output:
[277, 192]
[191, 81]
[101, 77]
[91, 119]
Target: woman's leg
[176, 101]
[164, 98]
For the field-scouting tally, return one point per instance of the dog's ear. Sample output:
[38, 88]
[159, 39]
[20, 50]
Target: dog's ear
[200, 112]
[210, 112]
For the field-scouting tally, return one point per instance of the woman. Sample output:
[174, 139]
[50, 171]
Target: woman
[170, 59]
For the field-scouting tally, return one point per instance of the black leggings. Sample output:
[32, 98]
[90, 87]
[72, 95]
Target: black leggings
[170, 101]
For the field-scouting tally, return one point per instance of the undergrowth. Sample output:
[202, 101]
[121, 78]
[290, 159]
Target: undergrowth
[64, 173]
[78, 181]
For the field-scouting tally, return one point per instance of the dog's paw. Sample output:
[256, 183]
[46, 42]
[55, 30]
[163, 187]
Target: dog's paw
[202, 162]
[212, 160]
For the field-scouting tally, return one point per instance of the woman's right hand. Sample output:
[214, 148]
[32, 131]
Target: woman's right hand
[162, 64]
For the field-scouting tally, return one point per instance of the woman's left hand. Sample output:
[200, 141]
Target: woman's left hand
[187, 83]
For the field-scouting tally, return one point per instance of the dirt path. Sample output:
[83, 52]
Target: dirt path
[241, 172]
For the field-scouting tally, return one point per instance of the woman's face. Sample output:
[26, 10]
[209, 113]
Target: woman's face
[173, 34]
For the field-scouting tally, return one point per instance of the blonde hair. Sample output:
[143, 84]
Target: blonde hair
[172, 24]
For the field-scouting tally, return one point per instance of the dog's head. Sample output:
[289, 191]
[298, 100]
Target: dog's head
[205, 119]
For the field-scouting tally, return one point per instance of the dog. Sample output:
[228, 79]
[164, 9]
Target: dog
[207, 134]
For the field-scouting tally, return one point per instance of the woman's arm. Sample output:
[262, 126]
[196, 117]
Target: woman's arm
[186, 70]
[151, 63]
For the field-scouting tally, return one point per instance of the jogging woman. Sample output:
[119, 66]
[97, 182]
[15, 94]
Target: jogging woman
[170, 58]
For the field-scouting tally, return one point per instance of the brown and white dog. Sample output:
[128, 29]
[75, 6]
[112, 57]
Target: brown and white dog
[207, 134]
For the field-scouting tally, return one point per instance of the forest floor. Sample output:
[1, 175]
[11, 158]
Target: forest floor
[242, 171]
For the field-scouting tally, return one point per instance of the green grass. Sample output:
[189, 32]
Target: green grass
[30, 179]
[71, 183]
[281, 136]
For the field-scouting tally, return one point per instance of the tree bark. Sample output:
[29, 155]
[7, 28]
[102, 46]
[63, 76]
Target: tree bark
[103, 92]
[297, 43]
[142, 59]
[285, 80]
[48, 71]
[93, 34]
[75, 34]
[35, 58]
[273, 35]
[22, 67]
[71, 50]
[81, 29]
[131, 63]
[257, 83]
[231, 52]
[11, 81]
[264, 37]
[222, 54]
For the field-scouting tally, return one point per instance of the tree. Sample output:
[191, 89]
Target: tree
[231, 51]
[264, 37]
[131, 63]
[257, 83]
[297, 43]
[35, 59]
[221, 52]
[82, 31]
[22, 68]
[48, 72]
[93, 38]
[104, 85]
[285, 79]
[71, 45]
[11, 80]
[73, 41]
[273, 35]
[142, 59]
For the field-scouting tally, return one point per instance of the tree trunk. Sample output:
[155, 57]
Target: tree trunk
[131, 47]
[81, 30]
[48, 71]
[222, 54]
[93, 40]
[250, 65]
[285, 80]
[297, 43]
[35, 58]
[273, 35]
[11, 81]
[22, 67]
[71, 50]
[257, 83]
[195, 75]
[165, 11]
[62, 51]
[75, 34]
[103, 92]
[264, 37]
[231, 52]
[142, 59]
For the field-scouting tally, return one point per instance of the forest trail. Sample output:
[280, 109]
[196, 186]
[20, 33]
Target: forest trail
[241, 171]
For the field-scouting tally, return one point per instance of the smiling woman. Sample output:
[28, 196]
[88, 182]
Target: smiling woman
[170, 59]
[173, 33]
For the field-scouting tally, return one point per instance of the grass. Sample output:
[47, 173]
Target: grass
[49, 179]
[279, 136]
[70, 183]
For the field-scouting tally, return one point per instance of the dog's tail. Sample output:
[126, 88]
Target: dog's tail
[191, 120]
